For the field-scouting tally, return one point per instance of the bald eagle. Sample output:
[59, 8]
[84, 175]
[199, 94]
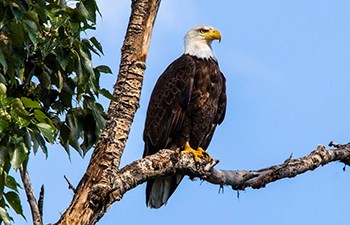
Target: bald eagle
[187, 103]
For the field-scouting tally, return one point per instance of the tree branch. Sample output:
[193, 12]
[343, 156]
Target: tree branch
[70, 185]
[36, 215]
[167, 162]
[239, 180]
[41, 201]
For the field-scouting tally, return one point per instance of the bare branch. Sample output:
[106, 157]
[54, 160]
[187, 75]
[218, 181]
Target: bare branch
[167, 162]
[37, 220]
[239, 180]
[70, 185]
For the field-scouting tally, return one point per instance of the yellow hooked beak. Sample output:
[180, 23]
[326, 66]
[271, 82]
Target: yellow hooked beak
[212, 34]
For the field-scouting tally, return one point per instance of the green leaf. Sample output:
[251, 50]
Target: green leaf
[21, 121]
[45, 80]
[40, 116]
[38, 140]
[14, 201]
[26, 139]
[23, 5]
[97, 44]
[2, 187]
[3, 88]
[86, 62]
[3, 61]
[88, 9]
[90, 133]
[97, 111]
[3, 158]
[28, 103]
[11, 183]
[64, 137]
[75, 129]
[16, 11]
[43, 118]
[40, 10]
[83, 11]
[4, 216]
[66, 97]
[47, 131]
[104, 69]
[17, 33]
[99, 115]
[48, 97]
[108, 95]
[35, 143]
[18, 155]
[19, 114]
[3, 126]
[31, 29]
[17, 103]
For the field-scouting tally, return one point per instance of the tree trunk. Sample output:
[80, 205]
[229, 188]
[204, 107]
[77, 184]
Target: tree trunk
[87, 208]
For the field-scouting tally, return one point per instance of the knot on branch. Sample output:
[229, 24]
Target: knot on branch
[98, 195]
[323, 153]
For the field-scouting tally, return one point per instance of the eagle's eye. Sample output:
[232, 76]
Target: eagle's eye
[203, 30]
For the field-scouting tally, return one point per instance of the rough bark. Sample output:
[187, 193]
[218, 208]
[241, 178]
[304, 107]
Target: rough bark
[167, 162]
[105, 159]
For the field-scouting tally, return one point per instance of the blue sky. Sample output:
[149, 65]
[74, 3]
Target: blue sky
[288, 76]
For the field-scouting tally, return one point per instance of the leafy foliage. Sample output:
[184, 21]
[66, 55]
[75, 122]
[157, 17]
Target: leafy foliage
[48, 85]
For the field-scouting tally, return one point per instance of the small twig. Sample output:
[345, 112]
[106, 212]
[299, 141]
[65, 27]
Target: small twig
[41, 200]
[221, 189]
[36, 215]
[334, 144]
[70, 185]
[289, 158]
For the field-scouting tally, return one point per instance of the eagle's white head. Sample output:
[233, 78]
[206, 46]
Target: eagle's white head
[198, 41]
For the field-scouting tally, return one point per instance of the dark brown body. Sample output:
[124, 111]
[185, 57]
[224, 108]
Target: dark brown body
[187, 103]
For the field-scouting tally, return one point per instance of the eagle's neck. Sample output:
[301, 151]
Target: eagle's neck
[199, 48]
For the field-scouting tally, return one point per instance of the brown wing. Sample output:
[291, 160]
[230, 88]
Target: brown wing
[222, 103]
[220, 114]
[169, 100]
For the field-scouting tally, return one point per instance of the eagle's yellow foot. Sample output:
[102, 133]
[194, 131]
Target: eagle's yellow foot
[197, 154]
